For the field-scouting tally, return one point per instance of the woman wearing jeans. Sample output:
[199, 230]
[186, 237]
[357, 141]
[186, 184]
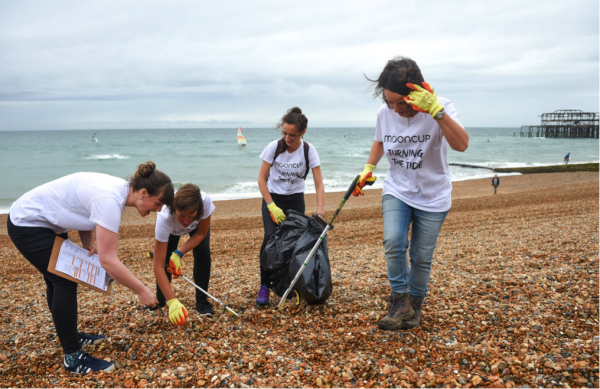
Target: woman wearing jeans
[414, 129]
[285, 165]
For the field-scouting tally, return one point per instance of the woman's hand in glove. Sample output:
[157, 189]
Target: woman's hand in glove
[366, 178]
[276, 213]
[423, 99]
[175, 264]
[177, 312]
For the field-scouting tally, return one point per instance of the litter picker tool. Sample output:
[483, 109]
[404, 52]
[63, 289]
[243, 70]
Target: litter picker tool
[209, 295]
[150, 254]
[323, 234]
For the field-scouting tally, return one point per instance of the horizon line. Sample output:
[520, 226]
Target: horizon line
[217, 128]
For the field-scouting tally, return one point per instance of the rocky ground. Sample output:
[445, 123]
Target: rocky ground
[513, 302]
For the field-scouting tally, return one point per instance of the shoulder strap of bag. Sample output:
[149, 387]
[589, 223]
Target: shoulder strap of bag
[306, 149]
[279, 150]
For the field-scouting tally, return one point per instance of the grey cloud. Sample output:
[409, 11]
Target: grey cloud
[69, 64]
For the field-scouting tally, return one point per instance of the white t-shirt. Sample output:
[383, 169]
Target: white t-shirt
[285, 176]
[167, 224]
[417, 152]
[75, 202]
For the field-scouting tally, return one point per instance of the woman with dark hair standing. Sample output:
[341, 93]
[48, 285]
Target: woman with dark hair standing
[286, 164]
[189, 214]
[84, 202]
[414, 129]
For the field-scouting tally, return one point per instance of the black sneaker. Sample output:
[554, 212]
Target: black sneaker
[86, 340]
[85, 363]
[205, 309]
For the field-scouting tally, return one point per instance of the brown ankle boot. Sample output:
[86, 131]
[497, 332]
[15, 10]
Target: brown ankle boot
[415, 321]
[399, 310]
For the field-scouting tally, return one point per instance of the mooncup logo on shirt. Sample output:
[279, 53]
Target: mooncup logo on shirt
[289, 165]
[406, 139]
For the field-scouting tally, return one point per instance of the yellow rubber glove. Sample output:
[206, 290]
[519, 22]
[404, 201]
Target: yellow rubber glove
[423, 99]
[177, 312]
[365, 176]
[174, 264]
[276, 213]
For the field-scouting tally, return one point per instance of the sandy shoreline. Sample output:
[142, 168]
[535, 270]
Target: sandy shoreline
[514, 286]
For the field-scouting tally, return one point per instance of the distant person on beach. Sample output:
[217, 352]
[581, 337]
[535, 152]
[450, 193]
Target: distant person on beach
[189, 215]
[286, 164]
[495, 182]
[567, 158]
[414, 128]
[84, 202]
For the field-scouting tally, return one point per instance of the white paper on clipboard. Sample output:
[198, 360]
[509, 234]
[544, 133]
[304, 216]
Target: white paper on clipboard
[75, 262]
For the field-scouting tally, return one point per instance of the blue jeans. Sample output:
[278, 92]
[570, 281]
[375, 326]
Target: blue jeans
[426, 226]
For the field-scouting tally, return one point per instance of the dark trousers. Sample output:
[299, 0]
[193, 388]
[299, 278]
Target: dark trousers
[285, 202]
[36, 243]
[202, 265]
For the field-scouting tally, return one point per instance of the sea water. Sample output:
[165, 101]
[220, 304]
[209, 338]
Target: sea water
[212, 159]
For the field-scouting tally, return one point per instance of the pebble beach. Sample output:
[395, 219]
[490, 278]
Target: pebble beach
[513, 302]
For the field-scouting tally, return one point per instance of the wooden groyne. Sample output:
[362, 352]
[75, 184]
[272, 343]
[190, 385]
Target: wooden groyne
[575, 167]
[565, 123]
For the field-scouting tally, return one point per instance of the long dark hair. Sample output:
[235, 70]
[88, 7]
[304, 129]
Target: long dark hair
[396, 73]
[293, 116]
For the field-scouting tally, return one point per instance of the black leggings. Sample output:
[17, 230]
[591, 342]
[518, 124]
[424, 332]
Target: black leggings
[36, 243]
[202, 265]
[294, 201]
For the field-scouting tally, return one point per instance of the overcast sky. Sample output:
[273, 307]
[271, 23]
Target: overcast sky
[160, 64]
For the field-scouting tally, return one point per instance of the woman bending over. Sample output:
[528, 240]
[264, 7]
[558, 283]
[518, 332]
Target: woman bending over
[189, 215]
[85, 202]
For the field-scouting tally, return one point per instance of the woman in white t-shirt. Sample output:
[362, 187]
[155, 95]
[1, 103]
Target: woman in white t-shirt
[189, 215]
[286, 164]
[414, 129]
[85, 202]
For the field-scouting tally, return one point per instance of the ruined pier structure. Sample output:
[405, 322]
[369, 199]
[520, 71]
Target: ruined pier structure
[565, 123]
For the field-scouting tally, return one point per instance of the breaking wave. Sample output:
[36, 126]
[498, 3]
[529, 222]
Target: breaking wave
[108, 156]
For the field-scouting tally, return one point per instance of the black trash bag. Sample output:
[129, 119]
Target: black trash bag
[277, 255]
[286, 251]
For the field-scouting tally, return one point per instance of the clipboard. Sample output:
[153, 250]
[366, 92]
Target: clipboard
[58, 242]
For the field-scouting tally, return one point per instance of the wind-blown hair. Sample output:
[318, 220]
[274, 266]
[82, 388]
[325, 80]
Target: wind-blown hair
[396, 73]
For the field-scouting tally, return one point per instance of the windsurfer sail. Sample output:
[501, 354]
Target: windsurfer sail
[94, 138]
[241, 139]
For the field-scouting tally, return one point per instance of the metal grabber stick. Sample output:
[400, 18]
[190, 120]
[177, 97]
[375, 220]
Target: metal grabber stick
[318, 243]
[211, 296]
[150, 254]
